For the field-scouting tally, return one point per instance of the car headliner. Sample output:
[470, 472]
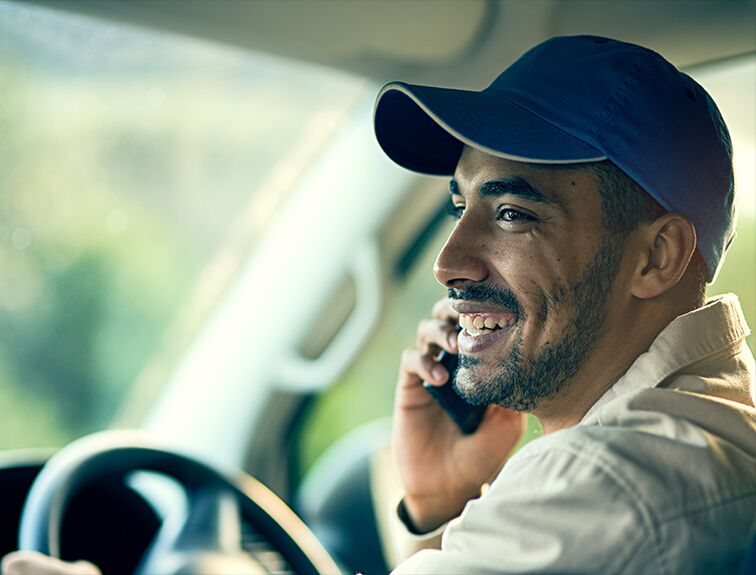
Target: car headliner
[458, 43]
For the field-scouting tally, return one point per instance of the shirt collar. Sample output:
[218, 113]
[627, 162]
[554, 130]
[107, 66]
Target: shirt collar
[689, 338]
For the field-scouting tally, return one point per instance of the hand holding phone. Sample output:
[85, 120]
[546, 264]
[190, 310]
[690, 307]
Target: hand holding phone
[443, 464]
[465, 415]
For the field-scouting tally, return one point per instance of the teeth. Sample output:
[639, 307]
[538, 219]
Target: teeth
[477, 330]
[478, 325]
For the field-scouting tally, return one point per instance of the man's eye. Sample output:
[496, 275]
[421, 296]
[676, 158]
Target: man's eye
[511, 215]
[455, 210]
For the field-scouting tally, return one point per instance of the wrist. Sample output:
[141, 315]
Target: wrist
[422, 516]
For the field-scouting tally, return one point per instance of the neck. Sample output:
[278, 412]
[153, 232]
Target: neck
[569, 407]
[624, 338]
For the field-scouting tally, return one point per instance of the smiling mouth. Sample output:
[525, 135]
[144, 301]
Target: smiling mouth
[483, 329]
[476, 324]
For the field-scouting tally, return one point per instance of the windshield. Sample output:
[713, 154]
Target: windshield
[137, 171]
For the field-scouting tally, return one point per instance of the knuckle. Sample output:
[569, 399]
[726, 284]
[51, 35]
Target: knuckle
[426, 361]
[439, 307]
[435, 327]
[409, 357]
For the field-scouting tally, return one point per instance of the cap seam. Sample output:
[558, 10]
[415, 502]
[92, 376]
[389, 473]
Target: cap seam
[623, 92]
[550, 122]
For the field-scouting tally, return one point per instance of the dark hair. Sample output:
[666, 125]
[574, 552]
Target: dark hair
[626, 205]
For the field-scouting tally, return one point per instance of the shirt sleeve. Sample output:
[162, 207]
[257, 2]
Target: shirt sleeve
[554, 510]
[408, 542]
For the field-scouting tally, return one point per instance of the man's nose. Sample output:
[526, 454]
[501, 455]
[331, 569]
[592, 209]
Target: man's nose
[462, 259]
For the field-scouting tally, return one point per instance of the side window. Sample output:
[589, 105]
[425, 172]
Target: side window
[137, 170]
[733, 87]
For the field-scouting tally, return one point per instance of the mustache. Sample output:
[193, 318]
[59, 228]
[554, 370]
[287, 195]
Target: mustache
[486, 293]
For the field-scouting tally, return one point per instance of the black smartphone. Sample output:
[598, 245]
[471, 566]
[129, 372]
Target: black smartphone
[465, 415]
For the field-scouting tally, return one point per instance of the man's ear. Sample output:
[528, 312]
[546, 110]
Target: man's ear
[665, 248]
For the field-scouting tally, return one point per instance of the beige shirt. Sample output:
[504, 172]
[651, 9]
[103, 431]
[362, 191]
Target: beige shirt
[659, 476]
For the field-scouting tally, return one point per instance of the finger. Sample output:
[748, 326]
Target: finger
[418, 365]
[33, 563]
[442, 310]
[435, 334]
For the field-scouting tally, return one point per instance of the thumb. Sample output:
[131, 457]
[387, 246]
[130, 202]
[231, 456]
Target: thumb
[33, 563]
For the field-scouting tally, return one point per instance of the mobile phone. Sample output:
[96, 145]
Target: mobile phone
[464, 414]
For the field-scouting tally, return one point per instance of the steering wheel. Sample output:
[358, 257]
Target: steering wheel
[206, 539]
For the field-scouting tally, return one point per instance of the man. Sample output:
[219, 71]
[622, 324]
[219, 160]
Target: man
[592, 187]
[592, 184]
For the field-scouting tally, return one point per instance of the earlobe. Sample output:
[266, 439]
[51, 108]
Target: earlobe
[668, 244]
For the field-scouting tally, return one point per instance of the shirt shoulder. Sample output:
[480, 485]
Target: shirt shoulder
[551, 510]
[595, 499]
[666, 466]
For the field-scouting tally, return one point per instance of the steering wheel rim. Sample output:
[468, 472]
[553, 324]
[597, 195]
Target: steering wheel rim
[112, 455]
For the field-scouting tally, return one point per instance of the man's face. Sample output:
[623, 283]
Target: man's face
[529, 266]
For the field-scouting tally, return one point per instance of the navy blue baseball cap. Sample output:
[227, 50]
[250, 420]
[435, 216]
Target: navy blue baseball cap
[575, 99]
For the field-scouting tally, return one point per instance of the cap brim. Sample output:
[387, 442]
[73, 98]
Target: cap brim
[424, 128]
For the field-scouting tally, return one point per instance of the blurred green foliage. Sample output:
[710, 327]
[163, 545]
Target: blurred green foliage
[126, 160]
[91, 275]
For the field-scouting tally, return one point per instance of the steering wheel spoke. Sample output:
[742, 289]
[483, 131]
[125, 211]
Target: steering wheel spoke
[204, 538]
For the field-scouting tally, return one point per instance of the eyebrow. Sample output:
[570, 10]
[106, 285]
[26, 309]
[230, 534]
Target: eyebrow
[514, 186]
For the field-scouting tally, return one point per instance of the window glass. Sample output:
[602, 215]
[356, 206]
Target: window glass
[130, 168]
[365, 392]
[733, 87]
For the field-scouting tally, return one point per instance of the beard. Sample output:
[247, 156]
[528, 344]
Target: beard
[522, 384]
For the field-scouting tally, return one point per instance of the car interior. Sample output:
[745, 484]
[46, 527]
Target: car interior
[211, 268]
